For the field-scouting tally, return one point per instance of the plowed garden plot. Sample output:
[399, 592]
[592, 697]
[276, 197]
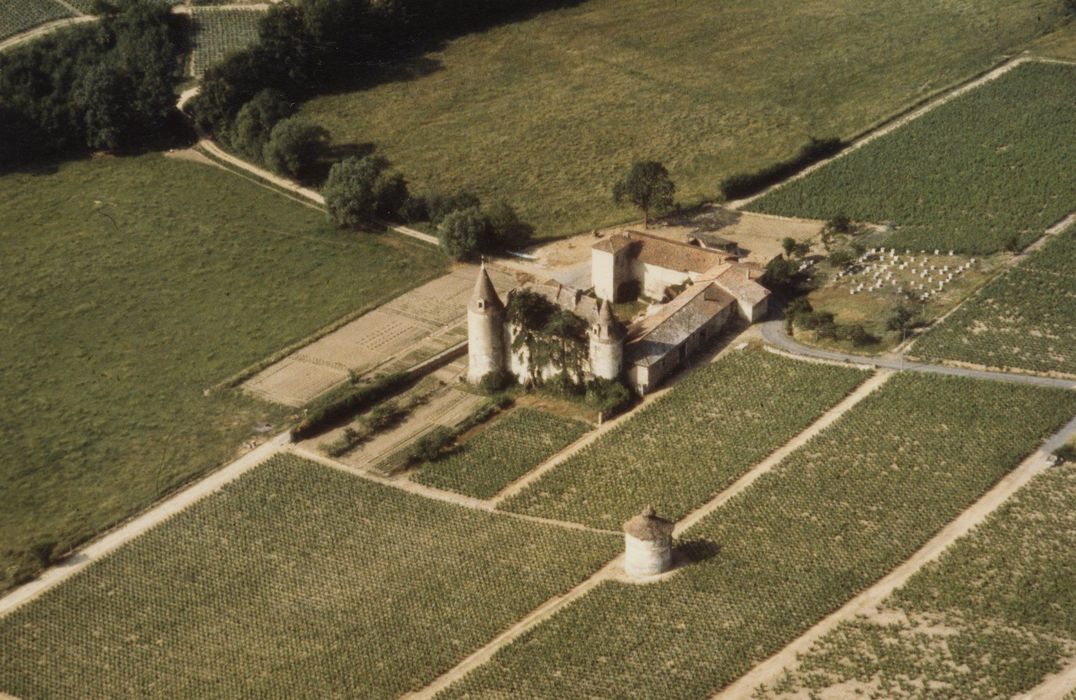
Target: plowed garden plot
[689, 445]
[18, 16]
[295, 581]
[220, 32]
[828, 521]
[1024, 319]
[990, 166]
[131, 285]
[990, 619]
[499, 455]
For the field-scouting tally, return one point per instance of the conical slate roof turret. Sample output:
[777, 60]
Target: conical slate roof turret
[485, 299]
[609, 325]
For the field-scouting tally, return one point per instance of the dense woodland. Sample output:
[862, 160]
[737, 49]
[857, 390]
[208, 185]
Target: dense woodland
[109, 85]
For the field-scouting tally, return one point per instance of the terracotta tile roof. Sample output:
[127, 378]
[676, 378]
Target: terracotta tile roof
[568, 298]
[655, 250]
[739, 281]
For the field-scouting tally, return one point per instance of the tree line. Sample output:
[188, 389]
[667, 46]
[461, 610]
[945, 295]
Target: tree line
[109, 85]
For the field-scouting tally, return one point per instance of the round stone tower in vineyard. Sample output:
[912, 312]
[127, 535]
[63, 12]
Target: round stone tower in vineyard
[647, 544]
[485, 330]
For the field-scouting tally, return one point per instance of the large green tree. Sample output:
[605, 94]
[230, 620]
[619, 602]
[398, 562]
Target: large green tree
[294, 146]
[359, 189]
[648, 186]
[464, 233]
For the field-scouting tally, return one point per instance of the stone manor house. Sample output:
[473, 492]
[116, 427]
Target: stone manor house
[699, 289]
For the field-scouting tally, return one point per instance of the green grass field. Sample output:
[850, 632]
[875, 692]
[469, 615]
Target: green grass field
[692, 443]
[1004, 597]
[21, 15]
[1022, 319]
[969, 175]
[832, 518]
[295, 581]
[130, 286]
[502, 453]
[548, 112]
[219, 32]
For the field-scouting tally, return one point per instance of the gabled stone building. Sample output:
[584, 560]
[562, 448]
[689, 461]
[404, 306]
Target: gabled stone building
[700, 289]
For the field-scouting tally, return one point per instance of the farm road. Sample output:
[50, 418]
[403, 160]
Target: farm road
[773, 332]
[867, 602]
[43, 29]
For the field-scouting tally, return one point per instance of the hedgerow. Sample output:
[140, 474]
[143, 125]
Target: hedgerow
[831, 519]
[689, 445]
[1022, 319]
[295, 581]
[499, 455]
[969, 175]
[1002, 633]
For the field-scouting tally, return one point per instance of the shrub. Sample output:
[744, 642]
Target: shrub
[856, 333]
[842, 257]
[294, 146]
[464, 233]
[337, 405]
[415, 209]
[507, 229]
[746, 184]
[359, 189]
[384, 416]
[438, 206]
[495, 381]
[255, 121]
[430, 446]
[608, 396]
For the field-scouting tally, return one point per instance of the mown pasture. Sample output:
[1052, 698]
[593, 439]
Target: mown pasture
[690, 444]
[547, 112]
[990, 619]
[1023, 319]
[501, 453]
[295, 581]
[132, 285]
[18, 16]
[976, 174]
[832, 518]
[219, 32]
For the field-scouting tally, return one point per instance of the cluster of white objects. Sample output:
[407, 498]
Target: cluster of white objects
[876, 267]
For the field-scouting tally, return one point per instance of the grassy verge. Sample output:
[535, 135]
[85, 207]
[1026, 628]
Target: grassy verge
[523, 111]
[131, 286]
[296, 581]
[977, 174]
[958, 626]
[679, 452]
[828, 521]
[500, 454]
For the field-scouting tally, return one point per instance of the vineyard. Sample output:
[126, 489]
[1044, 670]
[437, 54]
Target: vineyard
[1002, 633]
[499, 455]
[295, 581]
[1022, 319]
[18, 16]
[828, 521]
[219, 32]
[987, 167]
[692, 443]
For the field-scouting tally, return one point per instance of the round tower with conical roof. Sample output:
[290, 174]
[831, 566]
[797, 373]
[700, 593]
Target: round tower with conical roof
[606, 344]
[647, 544]
[485, 330]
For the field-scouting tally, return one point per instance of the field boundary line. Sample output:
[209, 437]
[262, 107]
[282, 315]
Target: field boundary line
[44, 29]
[824, 421]
[111, 541]
[870, 598]
[910, 114]
[414, 488]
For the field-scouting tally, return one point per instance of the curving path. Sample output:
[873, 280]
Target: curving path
[773, 331]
